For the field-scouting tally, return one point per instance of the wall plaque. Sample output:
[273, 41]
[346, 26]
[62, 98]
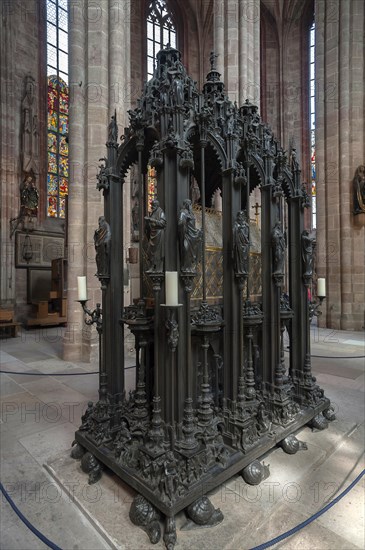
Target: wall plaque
[44, 247]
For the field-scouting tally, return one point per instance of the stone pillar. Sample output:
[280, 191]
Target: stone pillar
[237, 43]
[87, 137]
[340, 149]
[249, 51]
[99, 83]
[219, 33]
[120, 96]
[76, 199]
[232, 72]
[96, 123]
[9, 185]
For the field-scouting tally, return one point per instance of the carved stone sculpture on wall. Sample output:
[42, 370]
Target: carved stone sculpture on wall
[190, 238]
[30, 135]
[29, 200]
[278, 246]
[29, 196]
[102, 241]
[155, 230]
[359, 190]
[241, 244]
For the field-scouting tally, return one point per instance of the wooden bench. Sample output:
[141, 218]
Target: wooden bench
[7, 323]
[49, 312]
[47, 321]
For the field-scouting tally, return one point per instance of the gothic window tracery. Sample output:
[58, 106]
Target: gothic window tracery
[58, 100]
[160, 31]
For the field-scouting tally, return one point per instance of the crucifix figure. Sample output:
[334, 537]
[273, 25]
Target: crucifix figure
[256, 207]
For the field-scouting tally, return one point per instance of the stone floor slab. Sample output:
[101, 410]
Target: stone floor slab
[299, 484]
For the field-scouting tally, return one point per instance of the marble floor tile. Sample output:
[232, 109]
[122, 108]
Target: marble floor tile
[31, 375]
[344, 370]
[311, 537]
[23, 414]
[14, 365]
[42, 385]
[31, 356]
[4, 356]
[46, 444]
[52, 366]
[8, 386]
[14, 535]
[86, 384]
[326, 380]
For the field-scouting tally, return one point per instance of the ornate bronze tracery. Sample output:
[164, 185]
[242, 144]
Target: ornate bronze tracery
[213, 389]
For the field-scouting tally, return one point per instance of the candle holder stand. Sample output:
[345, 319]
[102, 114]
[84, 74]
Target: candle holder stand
[314, 310]
[92, 317]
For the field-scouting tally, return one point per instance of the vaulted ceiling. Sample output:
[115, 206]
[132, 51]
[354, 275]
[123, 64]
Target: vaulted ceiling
[285, 10]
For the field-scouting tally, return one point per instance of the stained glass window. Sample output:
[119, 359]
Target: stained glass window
[58, 97]
[312, 114]
[151, 186]
[160, 32]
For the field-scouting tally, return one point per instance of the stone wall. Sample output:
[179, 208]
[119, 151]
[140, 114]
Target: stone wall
[22, 53]
[340, 32]
[285, 75]
[237, 43]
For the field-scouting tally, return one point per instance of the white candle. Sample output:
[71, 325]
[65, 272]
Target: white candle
[81, 284]
[321, 288]
[172, 297]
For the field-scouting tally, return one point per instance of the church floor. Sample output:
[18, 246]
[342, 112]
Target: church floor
[39, 415]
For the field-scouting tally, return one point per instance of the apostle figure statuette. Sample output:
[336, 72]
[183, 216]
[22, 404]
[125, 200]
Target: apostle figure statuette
[278, 246]
[113, 129]
[307, 255]
[190, 238]
[155, 231]
[102, 241]
[241, 244]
